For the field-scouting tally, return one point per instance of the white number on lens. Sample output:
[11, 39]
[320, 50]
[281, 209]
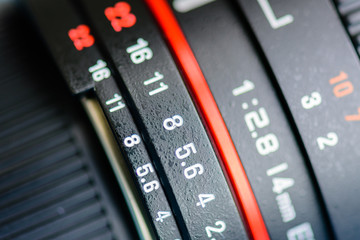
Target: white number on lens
[259, 120]
[185, 151]
[144, 170]
[221, 226]
[132, 140]
[99, 71]
[280, 184]
[173, 122]
[331, 140]
[204, 198]
[162, 215]
[309, 102]
[193, 171]
[151, 186]
[267, 144]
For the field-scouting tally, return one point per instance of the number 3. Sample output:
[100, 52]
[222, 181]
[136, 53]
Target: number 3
[312, 101]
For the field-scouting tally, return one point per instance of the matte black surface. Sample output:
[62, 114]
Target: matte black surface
[94, 68]
[305, 55]
[54, 23]
[123, 126]
[154, 108]
[350, 13]
[52, 181]
[226, 67]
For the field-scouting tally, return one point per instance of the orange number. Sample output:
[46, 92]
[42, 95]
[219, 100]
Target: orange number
[344, 88]
[351, 118]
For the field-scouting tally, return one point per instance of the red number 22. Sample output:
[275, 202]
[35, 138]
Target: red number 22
[120, 16]
[81, 37]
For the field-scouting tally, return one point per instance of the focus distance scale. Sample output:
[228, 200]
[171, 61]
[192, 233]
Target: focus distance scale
[255, 119]
[318, 72]
[76, 54]
[176, 139]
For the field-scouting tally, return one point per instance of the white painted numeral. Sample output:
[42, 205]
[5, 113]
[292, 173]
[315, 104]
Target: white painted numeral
[162, 88]
[144, 170]
[247, 86]
[173, 122]
[267, 144]
[275, 23]
[99, 71]
[162, 215]
[259, 120]
[188, 148]
[117, 99]
[309, 102]
[157, 76]
[280, 184]
[204, 198]
[193, 171]
[132, 140]
[331, 140]
[151, 186]
[140, 51]
[221, 228]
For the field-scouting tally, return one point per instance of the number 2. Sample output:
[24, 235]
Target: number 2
[331, 140]
[259, 120]
[220, 229]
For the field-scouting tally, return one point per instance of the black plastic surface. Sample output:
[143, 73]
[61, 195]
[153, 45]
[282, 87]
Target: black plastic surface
[153, 82]
[91, 66]
[253, 114]
[318, 72]
[54, 177]
[56, 29]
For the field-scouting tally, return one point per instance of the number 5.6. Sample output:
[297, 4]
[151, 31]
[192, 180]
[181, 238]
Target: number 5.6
[185, 151]
[144, 170]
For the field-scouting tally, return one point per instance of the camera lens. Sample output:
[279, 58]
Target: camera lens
[220, 119]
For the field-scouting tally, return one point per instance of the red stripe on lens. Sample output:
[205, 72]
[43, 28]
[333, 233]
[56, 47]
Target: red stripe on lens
[211, 114]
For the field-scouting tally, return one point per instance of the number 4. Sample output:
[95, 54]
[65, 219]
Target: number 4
[280, 184]
[162, 215]
[204, 198]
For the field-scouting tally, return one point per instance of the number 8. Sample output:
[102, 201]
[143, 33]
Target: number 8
[267, 144]
[132, 140]
[173, 122]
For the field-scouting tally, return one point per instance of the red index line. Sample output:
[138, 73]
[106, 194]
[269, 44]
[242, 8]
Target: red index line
[206, 102]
